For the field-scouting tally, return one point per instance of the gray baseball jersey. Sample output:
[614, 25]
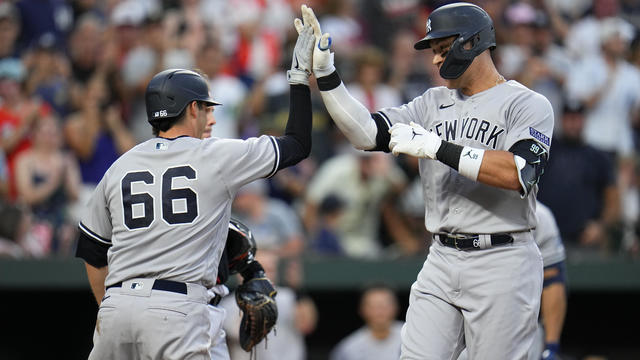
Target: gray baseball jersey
[494, 119]
[162, 204]
[547, 236]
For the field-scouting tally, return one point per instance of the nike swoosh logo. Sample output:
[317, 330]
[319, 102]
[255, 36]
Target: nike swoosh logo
[296, 59]
[443, 106]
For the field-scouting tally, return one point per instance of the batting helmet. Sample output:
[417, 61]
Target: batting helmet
[170, 91]
[467, 21]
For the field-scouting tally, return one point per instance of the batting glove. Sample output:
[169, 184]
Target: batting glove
[413, 140]
[302, 53]
[322, 56]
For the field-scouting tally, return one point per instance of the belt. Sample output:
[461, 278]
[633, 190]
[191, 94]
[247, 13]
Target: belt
[473, 241]
[159, 284]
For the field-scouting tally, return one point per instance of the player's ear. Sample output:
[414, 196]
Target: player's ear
[193, 108]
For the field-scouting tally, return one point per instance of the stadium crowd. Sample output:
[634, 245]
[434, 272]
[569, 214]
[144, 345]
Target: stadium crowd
[73, 75]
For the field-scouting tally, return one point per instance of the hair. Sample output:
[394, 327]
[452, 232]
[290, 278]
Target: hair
[167, 123]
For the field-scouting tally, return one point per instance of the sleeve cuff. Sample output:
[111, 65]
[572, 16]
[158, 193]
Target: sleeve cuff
[329, 82]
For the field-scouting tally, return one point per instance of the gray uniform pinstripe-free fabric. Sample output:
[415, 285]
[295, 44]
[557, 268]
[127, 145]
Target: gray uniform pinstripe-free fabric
[494, 119]
[164, 207]
[547, 236]
[188, 251]
[494, 292]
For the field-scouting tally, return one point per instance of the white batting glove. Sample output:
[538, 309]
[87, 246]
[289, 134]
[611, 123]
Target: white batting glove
[322, 56]
[413, 140]
[302, 53]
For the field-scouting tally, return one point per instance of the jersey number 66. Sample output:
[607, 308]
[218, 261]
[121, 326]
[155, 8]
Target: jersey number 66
[169, 194]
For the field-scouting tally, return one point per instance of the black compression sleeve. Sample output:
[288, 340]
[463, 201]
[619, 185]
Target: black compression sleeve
[295, 145]
[92, 251]
[449, 154]
[382, 137]
[329, 82]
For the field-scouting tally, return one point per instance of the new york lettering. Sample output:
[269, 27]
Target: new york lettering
[470, 128]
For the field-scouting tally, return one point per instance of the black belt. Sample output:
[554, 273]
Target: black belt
[159, 284]
[472, 241]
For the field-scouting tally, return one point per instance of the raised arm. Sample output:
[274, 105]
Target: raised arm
[351, 117]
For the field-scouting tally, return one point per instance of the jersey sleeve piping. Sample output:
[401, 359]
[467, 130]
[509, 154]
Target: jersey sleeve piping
[276, 162]
[93, 235]
[386, 118]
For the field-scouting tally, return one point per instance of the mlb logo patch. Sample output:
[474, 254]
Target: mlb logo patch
[161, 146]
[540, 136]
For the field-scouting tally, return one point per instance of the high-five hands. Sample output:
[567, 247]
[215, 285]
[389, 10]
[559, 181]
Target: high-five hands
[303, 50]
[413, 140]
[322, 56]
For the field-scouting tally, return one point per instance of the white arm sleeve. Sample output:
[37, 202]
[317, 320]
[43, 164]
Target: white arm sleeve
[352, 118]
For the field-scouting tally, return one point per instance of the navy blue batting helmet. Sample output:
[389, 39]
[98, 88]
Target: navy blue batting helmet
[170, 91]
[467, 22]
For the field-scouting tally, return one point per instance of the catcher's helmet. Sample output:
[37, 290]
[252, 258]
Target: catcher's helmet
[170, 91]
[470, 23]
[241, 246]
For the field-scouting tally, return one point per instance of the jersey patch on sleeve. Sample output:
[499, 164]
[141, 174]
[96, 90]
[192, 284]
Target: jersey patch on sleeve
[540, 136]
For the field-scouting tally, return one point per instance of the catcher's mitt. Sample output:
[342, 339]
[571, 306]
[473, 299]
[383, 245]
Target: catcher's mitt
[255, 297]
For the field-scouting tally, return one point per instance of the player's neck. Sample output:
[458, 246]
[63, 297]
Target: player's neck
[177, 130]
[483, 77]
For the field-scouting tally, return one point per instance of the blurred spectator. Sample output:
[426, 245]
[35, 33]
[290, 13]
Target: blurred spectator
[583, 37]
[13, 228]
[228, 90]
[48, 74]
[403, 214]
[274, 224]
[17, 114]
[379, 338]
[126, 20]
[368, 87]
[297, 318]
[96, 133]
[154, 54]
[9, 30]
[341, 21]
[362, 180]
[410, 71]
[48, 180]
[520, 19]
[256, 51]
[546, 69]
[579, 187]
[326, 239]
[610, 88]
[4, 178]
[87, 47]
[39, 17]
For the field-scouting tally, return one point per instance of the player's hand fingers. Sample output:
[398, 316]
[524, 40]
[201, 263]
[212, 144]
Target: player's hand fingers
[325, 42]
[298, 24]
[313, 21]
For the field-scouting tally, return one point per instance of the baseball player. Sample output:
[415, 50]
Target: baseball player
[483, 143]
[554, 299]
[155, 227]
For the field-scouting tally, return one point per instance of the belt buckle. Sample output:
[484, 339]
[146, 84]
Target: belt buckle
[455, 243]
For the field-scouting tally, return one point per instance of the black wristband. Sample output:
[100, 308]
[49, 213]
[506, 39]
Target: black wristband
[449, 154]
[329, 82]
[252, 271]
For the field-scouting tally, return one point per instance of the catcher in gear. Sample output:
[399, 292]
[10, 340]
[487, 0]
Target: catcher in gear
[256, 295]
